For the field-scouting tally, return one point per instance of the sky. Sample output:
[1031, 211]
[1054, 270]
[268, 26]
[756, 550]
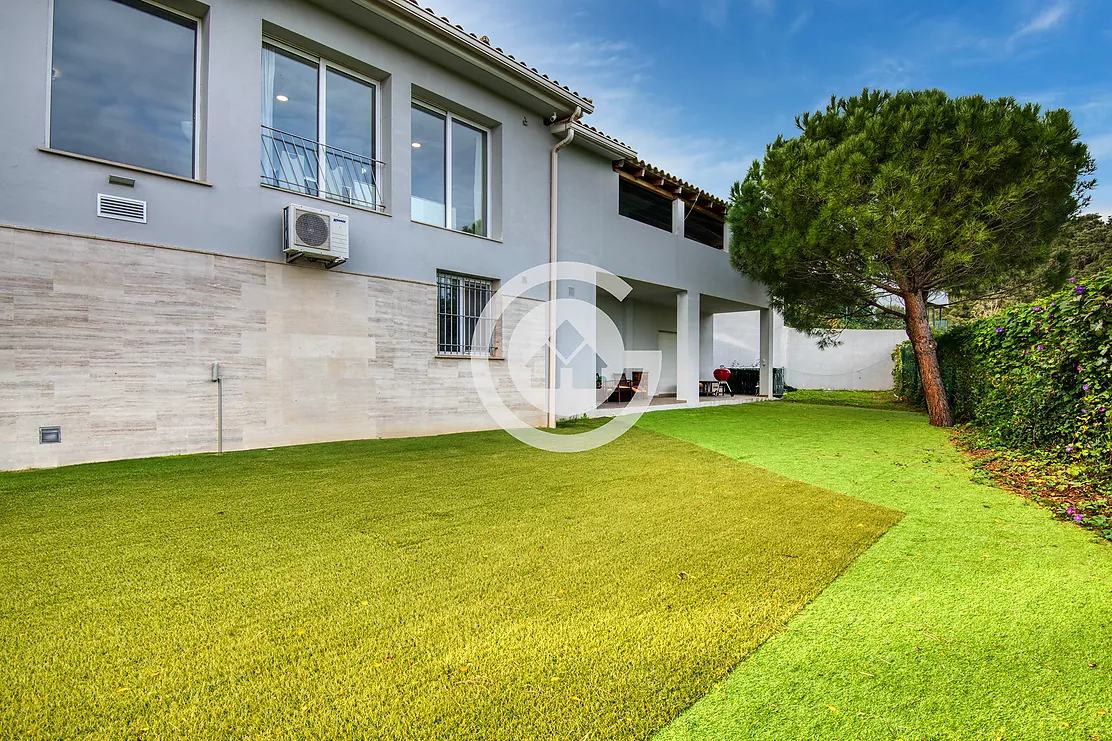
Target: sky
[700, 87]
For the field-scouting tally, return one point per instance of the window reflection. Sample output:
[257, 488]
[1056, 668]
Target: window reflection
[289, 115]
[468, 179]
[349, 131]
[122, 84]
[334, 162]
[428, 147]
[349, 114]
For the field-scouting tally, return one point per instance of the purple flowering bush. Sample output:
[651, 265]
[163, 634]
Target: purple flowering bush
[1037, 378]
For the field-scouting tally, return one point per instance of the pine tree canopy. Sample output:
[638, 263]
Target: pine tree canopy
[907, 193]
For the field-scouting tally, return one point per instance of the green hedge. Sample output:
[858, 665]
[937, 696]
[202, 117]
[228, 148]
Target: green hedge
[1037, 376]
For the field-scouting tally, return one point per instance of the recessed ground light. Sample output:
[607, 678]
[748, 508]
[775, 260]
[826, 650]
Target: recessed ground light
[416, 145]
[281, 98]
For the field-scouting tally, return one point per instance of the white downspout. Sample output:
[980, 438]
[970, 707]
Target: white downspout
[552, 258]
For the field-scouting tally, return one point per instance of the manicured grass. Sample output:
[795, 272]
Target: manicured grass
[455, 587]
[978, 616]
[865, 399]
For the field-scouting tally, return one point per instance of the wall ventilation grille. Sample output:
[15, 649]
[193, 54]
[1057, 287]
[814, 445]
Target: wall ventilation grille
[124, 209]
[50, 435]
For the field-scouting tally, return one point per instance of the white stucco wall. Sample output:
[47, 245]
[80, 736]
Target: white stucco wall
[863, 362]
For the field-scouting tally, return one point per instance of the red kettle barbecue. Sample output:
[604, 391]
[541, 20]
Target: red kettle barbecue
[722, 374]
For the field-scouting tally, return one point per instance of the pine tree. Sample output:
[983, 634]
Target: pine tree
[887, 199]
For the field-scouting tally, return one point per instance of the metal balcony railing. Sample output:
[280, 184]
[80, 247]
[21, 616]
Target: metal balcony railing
[302, 165]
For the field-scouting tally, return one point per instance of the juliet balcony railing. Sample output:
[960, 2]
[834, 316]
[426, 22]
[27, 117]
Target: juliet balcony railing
[301, 165]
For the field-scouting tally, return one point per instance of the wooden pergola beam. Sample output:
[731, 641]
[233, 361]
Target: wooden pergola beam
[670, 187]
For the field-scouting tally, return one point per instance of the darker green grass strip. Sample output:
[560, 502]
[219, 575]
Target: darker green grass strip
[463, 586]
[978, 616]
[865, 399]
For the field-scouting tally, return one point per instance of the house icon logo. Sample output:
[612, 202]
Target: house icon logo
[567, 343]
[558, 370]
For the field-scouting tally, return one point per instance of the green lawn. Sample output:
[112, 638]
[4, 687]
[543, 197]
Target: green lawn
[978, 616]
[455, 587]
[866, 399]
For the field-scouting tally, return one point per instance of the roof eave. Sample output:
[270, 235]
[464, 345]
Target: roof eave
[416, 20]
[596, 142]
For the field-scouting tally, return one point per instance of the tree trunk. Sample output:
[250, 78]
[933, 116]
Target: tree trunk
[926, 357]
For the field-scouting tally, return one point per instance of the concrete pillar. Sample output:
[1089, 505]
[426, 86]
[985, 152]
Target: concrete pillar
[576, 342]
[706, 347]
[627, 328]
[768, 317]
[679, 211]
[687, 346]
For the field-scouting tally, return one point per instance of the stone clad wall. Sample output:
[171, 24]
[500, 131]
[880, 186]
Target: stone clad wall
[115, 341]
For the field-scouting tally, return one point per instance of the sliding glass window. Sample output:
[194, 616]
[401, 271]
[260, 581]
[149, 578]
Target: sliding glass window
[318, 133]
[450, 171]
[123, 84]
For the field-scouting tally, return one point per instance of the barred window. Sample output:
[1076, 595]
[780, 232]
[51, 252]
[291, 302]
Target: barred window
[459, 308]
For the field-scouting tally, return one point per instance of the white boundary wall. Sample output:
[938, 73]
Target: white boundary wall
[863, 362]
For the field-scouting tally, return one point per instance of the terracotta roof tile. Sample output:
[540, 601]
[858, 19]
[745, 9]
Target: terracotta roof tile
[674, 181]
[604, 135]
[640, 163]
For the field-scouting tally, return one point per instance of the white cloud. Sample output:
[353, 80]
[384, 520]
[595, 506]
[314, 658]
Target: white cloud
[717, 12]
[1047, 19]
[1100, 147]
[800, 21]
[617, 76]
[1101, 204]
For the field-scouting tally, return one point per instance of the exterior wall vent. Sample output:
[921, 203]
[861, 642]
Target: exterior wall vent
[50, 435]
[124, 209]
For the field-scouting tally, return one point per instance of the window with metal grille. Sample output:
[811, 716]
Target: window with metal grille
[318, 132]
[461, 328]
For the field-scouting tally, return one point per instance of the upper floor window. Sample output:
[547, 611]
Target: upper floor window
[703, 227]
[318, 128]
[644, 205]
[123, 84]
[461, 327]
[450, 168]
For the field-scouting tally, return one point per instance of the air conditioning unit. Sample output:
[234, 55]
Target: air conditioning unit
[314, 235]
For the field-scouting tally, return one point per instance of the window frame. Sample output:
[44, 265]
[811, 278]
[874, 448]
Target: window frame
[198, 124]
[449, 117]
[323, 64]
[461, 318]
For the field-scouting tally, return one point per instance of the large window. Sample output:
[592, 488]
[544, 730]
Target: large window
[461, 328]
[449, 185]
[123, 84]
[702, 227]
[644, 205]
[318, 135]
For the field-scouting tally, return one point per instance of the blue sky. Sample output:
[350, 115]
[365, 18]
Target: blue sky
[699, 87]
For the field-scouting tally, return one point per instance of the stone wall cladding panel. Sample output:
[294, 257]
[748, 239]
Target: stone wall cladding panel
[115, 342]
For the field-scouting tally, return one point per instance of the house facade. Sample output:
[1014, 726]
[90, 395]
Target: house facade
[152, 150]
